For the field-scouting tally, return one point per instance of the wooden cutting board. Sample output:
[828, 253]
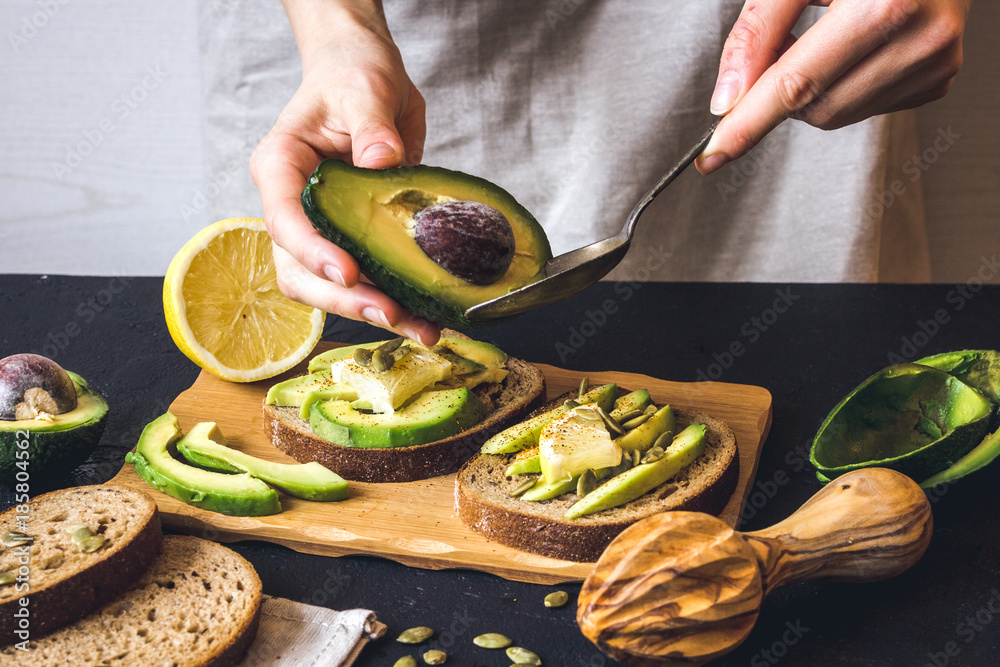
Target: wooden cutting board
[414, 523]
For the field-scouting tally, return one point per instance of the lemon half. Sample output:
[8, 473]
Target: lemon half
[224, 309]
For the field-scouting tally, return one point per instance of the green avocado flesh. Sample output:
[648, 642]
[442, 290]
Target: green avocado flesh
[314, 386]
[237, 495]
[635, 400]
[204, 446]
[911, 418]
[369, 213]
[42, 448]
[430, 416]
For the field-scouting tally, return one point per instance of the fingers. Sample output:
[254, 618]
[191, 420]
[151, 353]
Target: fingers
[361, 302]
[279, 167]
[369, 116]
[842, 37]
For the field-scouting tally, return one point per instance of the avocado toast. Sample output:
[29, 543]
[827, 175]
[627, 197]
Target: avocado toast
[430, 433]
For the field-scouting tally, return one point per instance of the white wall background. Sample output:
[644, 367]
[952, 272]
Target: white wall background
[100, 140]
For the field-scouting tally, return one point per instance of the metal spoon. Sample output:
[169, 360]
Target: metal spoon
[573, 271]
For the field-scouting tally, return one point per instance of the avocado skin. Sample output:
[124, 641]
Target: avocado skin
[418, 301]
[53, 453]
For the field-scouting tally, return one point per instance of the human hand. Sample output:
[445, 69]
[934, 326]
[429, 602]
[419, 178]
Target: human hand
[860, 59]
[355, 103]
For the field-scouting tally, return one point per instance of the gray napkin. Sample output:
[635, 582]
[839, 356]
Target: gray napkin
[292, 633]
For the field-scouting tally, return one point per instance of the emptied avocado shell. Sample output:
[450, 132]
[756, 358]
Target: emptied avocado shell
[369, 213]
[54, 447]
[980, 369]
[910, 418]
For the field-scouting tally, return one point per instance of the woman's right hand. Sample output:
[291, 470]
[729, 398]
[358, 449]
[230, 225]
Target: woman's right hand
[355, 103]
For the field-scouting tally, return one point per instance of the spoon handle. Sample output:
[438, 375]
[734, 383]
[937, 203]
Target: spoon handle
[863, 526]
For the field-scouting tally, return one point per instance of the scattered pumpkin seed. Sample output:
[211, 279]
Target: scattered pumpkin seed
[569, 404]
[400, 354]
[523, 656]
[630, 415]
[602, 473]
[391, 346]
[586, 483]
[363, 357]
[650, 409]
[586, 414]
[435, 657]
[79, 533]
[652, 454]
[405, 661]
[639, 420]
[556, 599]
[415, 635]
[7, 577]
[382, 361]
[584, 386]
[91, 544]
[664, 440]
[13, 538]
[492, 640]
[523, 488]
[613, 426]
[636, 457]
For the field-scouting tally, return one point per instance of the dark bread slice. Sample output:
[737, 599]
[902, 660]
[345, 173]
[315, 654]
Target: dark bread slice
[522, 391]
[484, 503]
[64, 583]
[197, 605]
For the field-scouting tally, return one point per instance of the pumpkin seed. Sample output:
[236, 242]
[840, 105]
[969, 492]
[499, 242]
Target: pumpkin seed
[584, 386]
[587, 414]
[363, 357]
[13, 538]
[666, 490]
[79, 533]
[628, 416]
[613, 426]
[556, 599]
[391, 346]
[629, 424]
[585, 483]
[602, 473]
[400, 354]
[90, 544]
[415, 635]
[569, 404]
[523, 656]
[7, 577]
[650, 409]
[523, 488]
[405, 661]
[636, 457]
[492, 640]
[652, 454]
[382, 361]
[435, 657]
[664, 440]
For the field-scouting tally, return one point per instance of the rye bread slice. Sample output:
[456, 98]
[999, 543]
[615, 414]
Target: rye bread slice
[198, 604]
[64, 584]
[522, 391]
[484, 503]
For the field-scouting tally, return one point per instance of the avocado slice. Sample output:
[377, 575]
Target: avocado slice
[317, 385]
[636, 400]
[237, 495]
[430, 416]
[478, 351]
[645, 434]
[370, 214]
[205, 446]
[55, 445]
[543, 490]
[909, 417]
[688, 445]
[526, 462]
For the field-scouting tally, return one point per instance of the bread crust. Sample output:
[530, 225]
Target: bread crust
[63, 601]
[540, 528]
[292, 435]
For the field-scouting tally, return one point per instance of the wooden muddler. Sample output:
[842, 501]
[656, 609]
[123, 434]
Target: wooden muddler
[682, 588]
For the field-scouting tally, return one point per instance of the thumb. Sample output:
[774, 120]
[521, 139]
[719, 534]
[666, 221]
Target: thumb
[375, 141]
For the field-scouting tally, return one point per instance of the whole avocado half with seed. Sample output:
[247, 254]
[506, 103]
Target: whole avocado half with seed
[50, 419]
[437, 241]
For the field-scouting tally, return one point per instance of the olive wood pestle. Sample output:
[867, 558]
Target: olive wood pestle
[682, 588]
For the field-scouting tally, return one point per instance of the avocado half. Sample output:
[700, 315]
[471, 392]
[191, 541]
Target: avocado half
[911, 418]
[369, 213]
[53, 447]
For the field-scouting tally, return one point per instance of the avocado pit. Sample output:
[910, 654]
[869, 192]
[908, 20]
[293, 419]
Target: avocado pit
[470, 240]
[32, 385]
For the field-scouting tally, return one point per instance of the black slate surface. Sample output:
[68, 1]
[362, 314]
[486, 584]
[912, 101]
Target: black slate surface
[807, 344]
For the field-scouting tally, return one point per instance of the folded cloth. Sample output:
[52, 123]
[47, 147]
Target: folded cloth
[292, 633]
